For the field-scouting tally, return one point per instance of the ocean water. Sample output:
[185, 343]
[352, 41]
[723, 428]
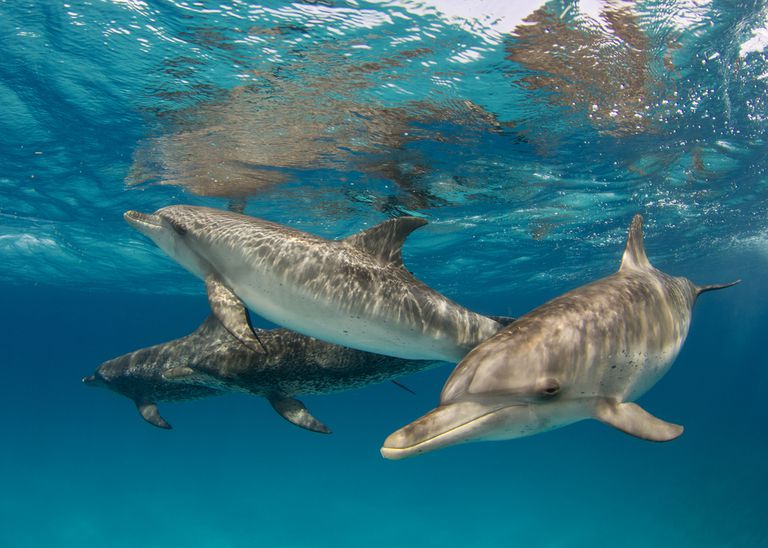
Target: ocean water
[527, 134]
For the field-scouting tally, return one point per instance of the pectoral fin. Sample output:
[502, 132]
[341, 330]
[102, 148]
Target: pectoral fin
[150, 414]
[636, 421]
[294, 411]
[229, 310]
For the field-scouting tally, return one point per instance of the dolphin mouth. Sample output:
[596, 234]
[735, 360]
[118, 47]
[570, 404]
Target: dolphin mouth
[442, 427]
[142, 221]
[93, 380]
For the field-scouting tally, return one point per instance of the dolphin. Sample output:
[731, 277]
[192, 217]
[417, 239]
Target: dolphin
[354, 292]
[211, 362]
[588, 353]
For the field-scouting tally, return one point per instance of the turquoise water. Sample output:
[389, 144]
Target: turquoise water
[528, 136]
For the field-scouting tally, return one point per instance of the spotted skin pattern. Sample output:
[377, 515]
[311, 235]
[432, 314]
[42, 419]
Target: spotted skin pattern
[213, 362]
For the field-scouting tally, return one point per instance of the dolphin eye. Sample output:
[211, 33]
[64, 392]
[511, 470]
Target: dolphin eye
[550, 387]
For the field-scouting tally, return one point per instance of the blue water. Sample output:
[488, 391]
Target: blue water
[528, 136]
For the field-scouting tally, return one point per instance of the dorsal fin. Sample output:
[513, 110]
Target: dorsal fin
[210, 325]
[634, 254]
[385, 240]
[236, 205]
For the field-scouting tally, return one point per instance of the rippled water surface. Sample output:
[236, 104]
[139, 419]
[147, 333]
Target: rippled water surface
[526, 133]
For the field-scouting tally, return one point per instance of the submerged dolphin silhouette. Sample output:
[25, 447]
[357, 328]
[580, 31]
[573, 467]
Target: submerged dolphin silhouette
[355, 292]
[211, 361]
[588, 353]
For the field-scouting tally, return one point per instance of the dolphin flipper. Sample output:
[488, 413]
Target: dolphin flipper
[229, 310]
[294, 411]
[150, 414]
[636, 421]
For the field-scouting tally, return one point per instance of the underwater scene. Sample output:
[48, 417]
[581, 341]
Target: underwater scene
[383, 273]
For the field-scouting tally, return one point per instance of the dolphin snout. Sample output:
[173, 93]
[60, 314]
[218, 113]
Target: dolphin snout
[93, 380]
[443, 426]
[142, 221]
[404, 442]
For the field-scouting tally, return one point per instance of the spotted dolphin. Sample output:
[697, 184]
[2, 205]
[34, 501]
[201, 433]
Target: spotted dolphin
[354, 292]
[210, 361]
[586, 354]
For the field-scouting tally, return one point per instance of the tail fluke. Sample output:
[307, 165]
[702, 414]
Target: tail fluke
[705, 288]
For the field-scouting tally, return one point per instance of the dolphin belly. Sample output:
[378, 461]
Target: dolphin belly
[340, 296]
[351, 326]
[638, 372]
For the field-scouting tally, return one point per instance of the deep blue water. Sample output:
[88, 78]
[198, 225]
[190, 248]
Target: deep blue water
[528, 145]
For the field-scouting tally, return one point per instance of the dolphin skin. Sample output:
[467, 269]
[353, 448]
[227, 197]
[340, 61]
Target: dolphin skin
[586, 354]
[354, 292]
[211, 361]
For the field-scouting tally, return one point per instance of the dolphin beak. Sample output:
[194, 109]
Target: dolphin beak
[95, 380]
[92, 380]
[143, 222]
[445, 426]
